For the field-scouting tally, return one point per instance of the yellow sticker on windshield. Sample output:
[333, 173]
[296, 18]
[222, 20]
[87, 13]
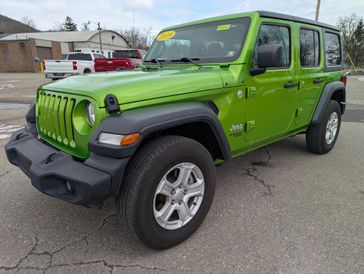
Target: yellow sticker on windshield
[166, 35]
[223, 27]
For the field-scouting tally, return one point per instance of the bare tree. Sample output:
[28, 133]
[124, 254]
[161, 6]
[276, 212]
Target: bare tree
[57, 27]
[85, 26]
[137, 37]
[29, 22]
[352, 31]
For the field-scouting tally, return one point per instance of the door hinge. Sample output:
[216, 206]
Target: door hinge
[250, 125]
[299, 111]
[250, 92]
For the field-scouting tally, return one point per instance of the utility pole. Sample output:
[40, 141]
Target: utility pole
[99, 29]
[318, 10]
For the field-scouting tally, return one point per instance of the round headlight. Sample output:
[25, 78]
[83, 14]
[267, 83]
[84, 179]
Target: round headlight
[90, 114]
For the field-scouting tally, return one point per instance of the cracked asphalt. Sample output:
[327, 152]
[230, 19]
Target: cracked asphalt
[279, 209]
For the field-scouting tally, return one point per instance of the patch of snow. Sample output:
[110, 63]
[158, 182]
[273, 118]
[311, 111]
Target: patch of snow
[4, 136]
[13, 105]
[6, 129]
[360, 78]
[6, 85]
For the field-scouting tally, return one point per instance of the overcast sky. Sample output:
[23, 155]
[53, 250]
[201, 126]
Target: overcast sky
[157, 14]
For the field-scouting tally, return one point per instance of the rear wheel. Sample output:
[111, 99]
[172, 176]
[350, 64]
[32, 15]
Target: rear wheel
[87, 71]
[167, 192]
[321, 138]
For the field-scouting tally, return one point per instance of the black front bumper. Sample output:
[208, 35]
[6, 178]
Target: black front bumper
[59, 175]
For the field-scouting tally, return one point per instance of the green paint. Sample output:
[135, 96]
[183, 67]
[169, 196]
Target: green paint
[267, 111]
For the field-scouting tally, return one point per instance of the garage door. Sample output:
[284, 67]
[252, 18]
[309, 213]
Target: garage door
[44, 53]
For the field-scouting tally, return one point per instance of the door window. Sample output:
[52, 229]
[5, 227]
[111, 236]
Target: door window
[274, 35]
[309, 48]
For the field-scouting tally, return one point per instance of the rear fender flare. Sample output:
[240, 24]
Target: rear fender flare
[326, 95]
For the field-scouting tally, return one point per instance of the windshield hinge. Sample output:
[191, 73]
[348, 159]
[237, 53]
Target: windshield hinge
[111, 103]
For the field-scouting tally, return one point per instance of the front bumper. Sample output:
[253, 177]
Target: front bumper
[59, 175]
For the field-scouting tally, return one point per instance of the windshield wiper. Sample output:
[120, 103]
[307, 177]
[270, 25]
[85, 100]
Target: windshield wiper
[154, 60]
[188, 60]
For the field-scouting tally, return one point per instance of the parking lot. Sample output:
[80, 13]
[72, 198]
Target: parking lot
[279, 209]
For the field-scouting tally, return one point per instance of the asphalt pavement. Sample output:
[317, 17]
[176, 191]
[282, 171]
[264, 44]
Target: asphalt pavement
[280, 209]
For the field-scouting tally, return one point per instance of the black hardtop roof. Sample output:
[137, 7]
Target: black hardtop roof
[282, 16]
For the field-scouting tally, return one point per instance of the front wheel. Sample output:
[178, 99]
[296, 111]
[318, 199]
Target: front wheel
[321, 138]
[167, 192]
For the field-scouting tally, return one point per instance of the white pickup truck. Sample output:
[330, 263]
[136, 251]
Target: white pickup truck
[74, 64]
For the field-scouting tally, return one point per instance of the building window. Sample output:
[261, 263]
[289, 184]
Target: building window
[309, 48]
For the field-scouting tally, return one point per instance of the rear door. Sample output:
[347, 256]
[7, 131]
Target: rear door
[311, 73]
[271, 99]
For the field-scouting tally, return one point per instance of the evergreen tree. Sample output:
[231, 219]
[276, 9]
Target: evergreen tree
[69, 25]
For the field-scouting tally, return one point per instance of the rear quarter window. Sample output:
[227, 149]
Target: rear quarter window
[332, 50]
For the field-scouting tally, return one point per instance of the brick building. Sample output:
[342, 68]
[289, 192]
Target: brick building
[22, 52]
[25, 55]
[22, 48]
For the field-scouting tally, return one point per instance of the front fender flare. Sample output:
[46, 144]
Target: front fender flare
[149, 120]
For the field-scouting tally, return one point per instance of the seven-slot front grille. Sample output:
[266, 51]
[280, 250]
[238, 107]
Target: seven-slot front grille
[55, 117]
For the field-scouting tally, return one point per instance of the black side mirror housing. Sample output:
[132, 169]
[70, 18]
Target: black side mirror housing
[268, 56]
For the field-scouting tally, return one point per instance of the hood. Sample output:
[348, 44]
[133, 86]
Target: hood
[134, 86]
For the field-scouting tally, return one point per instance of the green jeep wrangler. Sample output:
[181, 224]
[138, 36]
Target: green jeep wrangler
[206, 92]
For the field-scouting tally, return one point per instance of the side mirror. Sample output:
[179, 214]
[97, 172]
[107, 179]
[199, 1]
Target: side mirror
[268, 56]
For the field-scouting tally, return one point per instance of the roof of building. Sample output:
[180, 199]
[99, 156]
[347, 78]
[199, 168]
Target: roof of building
[60, 36]
[9, 25]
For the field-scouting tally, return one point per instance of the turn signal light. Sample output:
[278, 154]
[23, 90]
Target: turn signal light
[118, 140]
[129, 139]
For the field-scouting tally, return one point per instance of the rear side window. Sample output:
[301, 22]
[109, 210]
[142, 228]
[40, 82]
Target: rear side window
[332, 49]
[274, 35]
[126, 54]
[309, 48]
[99, 56]
[80, 56]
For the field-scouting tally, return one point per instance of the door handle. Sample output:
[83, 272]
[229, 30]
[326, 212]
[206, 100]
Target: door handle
[318, 81]
[290, 84]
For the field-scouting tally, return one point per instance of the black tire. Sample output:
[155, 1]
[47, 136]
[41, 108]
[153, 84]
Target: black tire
[316, 134]
[86, 71]
[136, 200]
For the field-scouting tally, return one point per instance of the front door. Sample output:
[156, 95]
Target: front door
[271, 98]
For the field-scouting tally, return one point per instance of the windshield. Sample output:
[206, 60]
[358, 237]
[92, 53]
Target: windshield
[220, 41]
[126, 54]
